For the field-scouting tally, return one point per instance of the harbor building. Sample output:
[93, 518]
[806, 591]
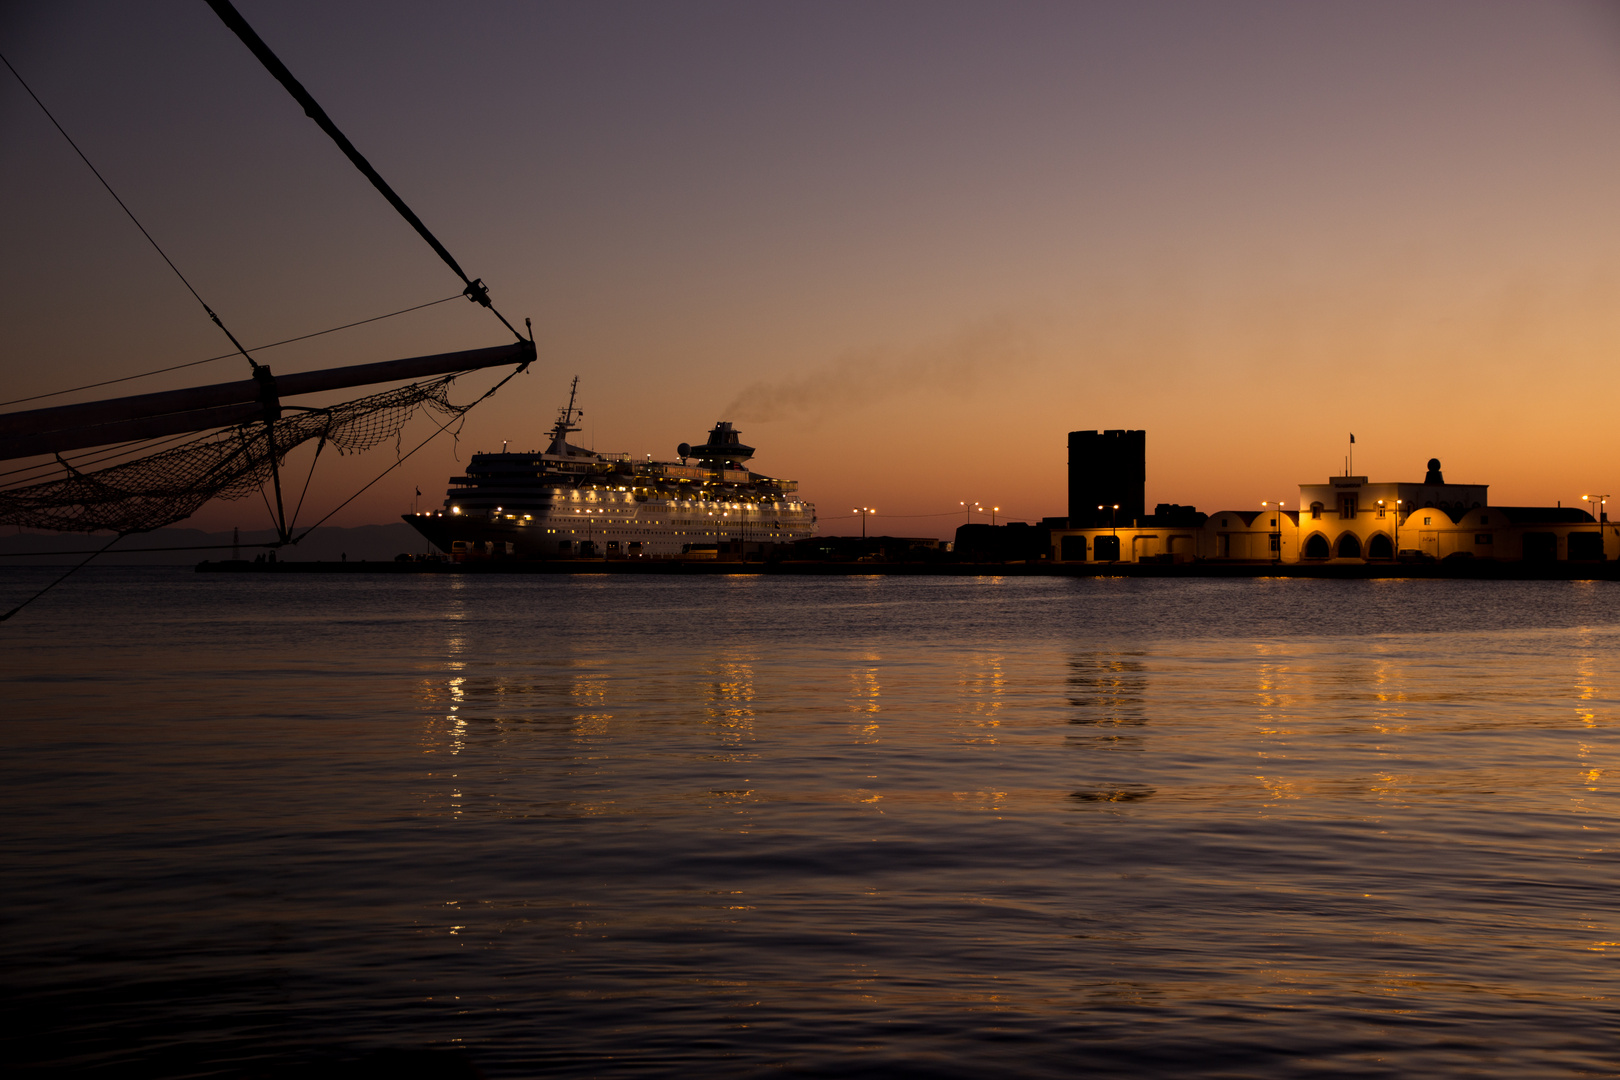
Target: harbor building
[1107, 476]
[1348, 519]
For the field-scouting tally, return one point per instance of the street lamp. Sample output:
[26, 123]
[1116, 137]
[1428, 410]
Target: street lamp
[864, 511]
[969, 509]
[1382, 507]
[1276, 547]
[993, 510]
[1603, 504]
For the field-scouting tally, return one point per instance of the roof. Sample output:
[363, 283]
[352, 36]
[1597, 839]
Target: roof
[1543, 515]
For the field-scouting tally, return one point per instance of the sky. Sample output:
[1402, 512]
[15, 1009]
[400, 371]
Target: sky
[904, 247]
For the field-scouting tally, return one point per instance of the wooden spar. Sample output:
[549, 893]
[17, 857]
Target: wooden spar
[171, 412]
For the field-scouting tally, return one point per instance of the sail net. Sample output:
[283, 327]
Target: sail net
[162, 488]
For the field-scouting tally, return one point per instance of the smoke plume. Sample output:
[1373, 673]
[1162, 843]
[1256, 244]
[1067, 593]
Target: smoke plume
[955, 366]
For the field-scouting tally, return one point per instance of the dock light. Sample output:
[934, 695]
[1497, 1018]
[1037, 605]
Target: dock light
[455, 509]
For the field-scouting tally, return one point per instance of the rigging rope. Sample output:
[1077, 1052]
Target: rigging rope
[476, 290]
[227, 356]
[462, 411]
[155, 246]
[71, 571]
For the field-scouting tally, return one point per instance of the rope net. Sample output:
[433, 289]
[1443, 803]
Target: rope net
[158, 490]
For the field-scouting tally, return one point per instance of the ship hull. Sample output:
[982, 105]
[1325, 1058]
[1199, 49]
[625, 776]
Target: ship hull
[649, 529]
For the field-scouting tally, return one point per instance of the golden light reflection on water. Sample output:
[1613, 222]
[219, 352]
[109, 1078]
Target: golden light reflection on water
[864, 700]
[1586, 689]
[588, 697]
[729, 702]
[982, 684]
[1272, 724]
[1270, 703]
[1285, 697]
[1107, 697]
[1107, 689]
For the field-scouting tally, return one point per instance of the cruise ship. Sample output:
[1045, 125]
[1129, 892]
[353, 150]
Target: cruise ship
[571, 502]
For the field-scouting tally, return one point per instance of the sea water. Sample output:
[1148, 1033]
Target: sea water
[607, 826]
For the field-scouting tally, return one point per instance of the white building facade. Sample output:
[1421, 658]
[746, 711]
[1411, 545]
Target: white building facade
[1351, 519]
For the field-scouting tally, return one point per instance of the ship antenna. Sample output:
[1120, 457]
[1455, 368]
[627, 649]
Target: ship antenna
[573, 388]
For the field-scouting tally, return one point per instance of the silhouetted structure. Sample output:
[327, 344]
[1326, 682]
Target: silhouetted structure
[868, 549]
[1016, 541]
[1107, 468]
[1177, 516]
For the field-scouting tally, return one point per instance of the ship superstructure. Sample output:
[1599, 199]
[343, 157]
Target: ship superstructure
[569, 501]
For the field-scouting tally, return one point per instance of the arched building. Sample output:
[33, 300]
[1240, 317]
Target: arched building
[1351, 519]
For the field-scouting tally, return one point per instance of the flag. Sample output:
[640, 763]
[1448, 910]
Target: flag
[1352, 439]
[419, 490]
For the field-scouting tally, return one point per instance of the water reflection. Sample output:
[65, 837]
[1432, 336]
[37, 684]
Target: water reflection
[864, 700]
[1107, 694]
[729, 701]
[1391, 714]
[1123, 892]
[982, 683]
[588, 695]
[1586, 690]
[1107, 689]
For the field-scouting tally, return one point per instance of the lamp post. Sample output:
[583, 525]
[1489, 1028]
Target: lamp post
[1382, 506]
[1113, 519]
[969, 508]
[864, 511]
[1276, 535]
[1603, 504]
[993, 510]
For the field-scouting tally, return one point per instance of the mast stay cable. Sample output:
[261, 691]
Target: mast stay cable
[71, 571]
[155, 246]
[476, 290]
[227, 356]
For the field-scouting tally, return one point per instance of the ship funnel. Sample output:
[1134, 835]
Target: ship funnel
[723, 445]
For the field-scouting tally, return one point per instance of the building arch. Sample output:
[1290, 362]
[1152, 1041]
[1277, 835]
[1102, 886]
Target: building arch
[1317, 547]
[1348, 547]
[1379, 546]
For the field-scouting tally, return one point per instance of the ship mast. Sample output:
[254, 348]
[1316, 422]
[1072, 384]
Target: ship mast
[565, 423]
[568, 413]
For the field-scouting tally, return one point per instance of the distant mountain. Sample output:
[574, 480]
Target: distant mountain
[365, 542]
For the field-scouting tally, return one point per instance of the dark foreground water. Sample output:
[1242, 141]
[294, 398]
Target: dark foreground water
[808, 826]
